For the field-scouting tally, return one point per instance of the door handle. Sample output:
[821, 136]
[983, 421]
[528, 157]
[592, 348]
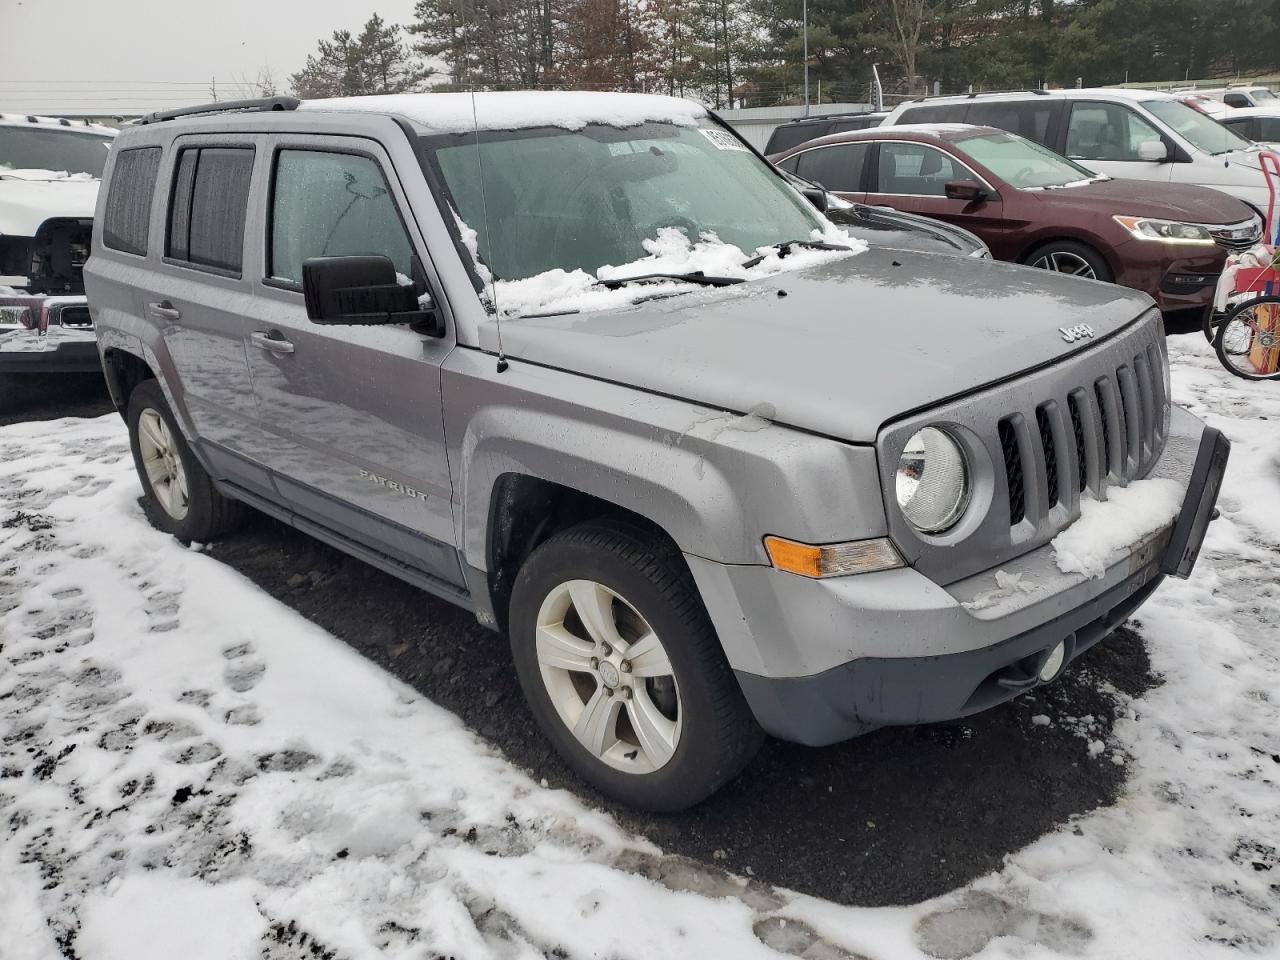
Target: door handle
[271, 341]
[164, 310]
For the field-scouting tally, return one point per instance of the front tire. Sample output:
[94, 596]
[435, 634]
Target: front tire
[1072, 258]
[178, 496]
[623, 671]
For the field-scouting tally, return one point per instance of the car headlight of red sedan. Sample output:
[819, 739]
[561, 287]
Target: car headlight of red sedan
[1166, 231]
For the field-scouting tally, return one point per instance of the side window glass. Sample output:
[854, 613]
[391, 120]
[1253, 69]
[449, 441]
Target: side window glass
[208, 205]
[790, 164]
[913, 169]
[939, 113]
[1030, 119]
[128, 213]
[1236, 100]
[1105, 131]
[332, 205]
[1268, 129]
[837, 168]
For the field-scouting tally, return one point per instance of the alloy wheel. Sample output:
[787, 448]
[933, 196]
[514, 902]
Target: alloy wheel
[608, 676]
[1063, 262]
[162, 464]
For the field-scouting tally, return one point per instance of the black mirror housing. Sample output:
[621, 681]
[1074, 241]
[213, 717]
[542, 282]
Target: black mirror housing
[967, 190]
[362, 290]
[818, 197]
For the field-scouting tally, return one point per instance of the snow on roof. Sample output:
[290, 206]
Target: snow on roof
[931, 128]
[1089, 93]
[460, 112]
[15, 119]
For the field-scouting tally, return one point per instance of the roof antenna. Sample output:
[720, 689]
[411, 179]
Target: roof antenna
[488, 242]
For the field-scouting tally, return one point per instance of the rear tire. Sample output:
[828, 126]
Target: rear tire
[660, 724]
[1072, 258]
[178, 496]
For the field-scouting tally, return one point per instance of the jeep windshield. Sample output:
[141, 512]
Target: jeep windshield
[48, 148]
[691, 196]
[1021, 163]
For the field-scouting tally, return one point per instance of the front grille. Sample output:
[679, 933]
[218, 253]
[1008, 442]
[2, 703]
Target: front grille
[1237, 236]
[1042, 442]
[1113, 431]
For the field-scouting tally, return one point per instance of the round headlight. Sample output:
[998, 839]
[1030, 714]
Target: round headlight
[932, 481]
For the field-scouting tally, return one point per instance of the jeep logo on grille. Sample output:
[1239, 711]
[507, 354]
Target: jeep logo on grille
[1080, 331]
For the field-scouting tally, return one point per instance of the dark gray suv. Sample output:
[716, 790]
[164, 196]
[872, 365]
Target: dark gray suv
[588, 366]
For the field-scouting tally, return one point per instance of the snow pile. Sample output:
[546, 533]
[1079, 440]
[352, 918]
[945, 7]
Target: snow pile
[1109, 528]
[522, 109]
[32, 174]
[670, 252]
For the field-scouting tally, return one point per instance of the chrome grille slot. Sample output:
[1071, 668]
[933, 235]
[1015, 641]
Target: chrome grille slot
[1013, 471]
[1078, 437]
[1131, 425]
[1050, 487]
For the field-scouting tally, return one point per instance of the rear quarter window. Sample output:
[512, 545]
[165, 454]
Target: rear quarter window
[1031, 119]
[793, 134]
[937, 113]
[128, 211]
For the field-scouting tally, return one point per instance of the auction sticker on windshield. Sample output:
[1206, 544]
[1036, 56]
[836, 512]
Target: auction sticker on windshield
[723, 139]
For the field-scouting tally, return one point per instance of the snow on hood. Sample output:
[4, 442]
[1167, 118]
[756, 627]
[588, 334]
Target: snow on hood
[521, 109]
[561, 291]
[26, 202]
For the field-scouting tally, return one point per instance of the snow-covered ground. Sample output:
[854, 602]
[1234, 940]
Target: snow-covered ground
[190, 769]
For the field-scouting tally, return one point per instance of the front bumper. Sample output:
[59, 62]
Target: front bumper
[79, 356]
[915, 652]
[1178, 278]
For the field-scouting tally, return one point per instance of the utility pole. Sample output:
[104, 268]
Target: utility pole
[804, 19]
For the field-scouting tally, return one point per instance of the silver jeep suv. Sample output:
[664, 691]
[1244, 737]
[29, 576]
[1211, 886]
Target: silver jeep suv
[588, 366]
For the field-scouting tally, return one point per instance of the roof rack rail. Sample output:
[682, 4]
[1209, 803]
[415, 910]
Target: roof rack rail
[264, 104]
[831, 116]
[1039, 92]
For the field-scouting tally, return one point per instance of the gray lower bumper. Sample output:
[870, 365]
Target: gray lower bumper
[78, 357]
[874, 692]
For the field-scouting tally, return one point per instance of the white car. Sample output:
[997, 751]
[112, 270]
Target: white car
[49, 175]
[1132, 134]
[1260, 124]
[1243, 96]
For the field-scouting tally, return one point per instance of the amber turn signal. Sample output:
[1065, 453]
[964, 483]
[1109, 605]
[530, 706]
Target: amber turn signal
[832, 559]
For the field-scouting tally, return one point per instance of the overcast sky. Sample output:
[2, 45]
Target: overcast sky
[69, 56]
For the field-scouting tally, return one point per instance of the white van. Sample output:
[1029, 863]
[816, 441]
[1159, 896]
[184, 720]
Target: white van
[1130, 134]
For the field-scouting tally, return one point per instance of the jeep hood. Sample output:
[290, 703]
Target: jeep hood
[839, 348]
[25, 204]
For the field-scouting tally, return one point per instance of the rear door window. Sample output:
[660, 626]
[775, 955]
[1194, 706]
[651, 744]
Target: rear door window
[1107, 131]
[208, 206]
[793, 134]
[1267, 129]
[128, 213]
[332, 205]
[837, 167]
[1236, 100]
[916, 170]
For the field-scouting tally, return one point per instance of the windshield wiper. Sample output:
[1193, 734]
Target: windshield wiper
[784, 248]
[696, 276]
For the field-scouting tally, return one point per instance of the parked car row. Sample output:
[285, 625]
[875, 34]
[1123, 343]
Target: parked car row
[1030, 172]
[716, 467]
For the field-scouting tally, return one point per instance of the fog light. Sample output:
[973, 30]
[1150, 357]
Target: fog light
[1053, 665]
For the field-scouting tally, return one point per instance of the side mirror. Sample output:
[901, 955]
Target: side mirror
[1153, 151]
[362, 290]
[817, 196]
[969, 191]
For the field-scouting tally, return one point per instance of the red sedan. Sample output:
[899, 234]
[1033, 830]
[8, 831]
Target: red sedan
[1033, 206]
